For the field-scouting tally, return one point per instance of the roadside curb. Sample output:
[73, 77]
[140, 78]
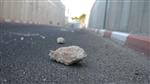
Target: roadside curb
[136, 42]
[1, 19]
[17, 21]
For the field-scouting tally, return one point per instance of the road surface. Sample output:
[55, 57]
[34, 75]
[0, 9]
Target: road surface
[24, 58]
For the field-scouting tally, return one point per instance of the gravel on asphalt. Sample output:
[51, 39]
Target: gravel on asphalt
[24, 58]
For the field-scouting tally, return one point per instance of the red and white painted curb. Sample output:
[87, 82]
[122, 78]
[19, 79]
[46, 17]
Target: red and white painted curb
[136, 42]
[1, 19]
[13, 20]
[8, 20]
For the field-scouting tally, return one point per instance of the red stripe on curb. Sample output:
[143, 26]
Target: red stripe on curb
[107, 34]
[139, 43]
[1, 19]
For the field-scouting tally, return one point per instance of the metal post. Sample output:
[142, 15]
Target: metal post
[105, 15]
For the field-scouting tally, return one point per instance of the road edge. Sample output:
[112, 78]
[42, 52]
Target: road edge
[137, 42]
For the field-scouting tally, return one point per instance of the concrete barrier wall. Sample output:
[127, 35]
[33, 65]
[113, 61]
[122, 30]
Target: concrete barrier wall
[132, 16]
[96, 18]
[49, 12]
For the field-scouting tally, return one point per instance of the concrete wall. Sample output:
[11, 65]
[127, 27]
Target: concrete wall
[132, 16]
[96, 19]
[50, 12]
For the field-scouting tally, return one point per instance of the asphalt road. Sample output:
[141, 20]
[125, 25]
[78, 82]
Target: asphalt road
[24, 58]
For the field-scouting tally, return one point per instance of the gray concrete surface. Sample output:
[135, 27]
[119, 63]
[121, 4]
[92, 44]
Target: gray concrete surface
[50, 12]
[26, 61]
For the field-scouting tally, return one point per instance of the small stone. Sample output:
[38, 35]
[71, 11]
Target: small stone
[5, 80]
[43, 37]
[68, 55]
[22, 38]
[15, 39]
[24, 72]
[149, 77]
[44, 79]
[60, 40]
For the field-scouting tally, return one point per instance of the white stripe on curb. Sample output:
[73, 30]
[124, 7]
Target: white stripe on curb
[24, 22]
[17, 21]
[119, 37]
[102, 32]
[96, 30]
[30, 22]
[7, 20]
